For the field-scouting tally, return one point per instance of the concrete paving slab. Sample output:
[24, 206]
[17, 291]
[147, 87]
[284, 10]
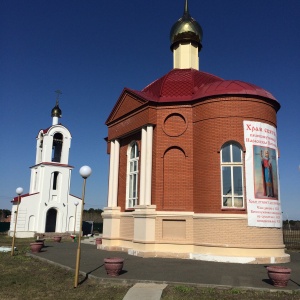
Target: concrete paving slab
[145, 291]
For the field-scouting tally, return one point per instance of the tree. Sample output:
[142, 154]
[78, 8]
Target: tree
[4, 213]
[93, 215]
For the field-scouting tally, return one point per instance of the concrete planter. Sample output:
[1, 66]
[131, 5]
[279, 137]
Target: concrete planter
[279, 275]
[98, 241]
[40, 241]
[113, 266]
[36, 247]
[57, 239]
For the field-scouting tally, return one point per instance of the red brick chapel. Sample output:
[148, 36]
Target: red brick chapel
[169, 191]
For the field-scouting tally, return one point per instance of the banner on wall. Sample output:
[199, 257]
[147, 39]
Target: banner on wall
[261, 172]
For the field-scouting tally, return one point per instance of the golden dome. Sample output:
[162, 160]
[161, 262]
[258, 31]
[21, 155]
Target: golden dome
[186, 29]
[56, 111]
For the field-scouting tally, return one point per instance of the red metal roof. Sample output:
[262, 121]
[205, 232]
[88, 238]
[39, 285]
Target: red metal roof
[53, 164]
[15, 199]
[189, 84]
[47, 129]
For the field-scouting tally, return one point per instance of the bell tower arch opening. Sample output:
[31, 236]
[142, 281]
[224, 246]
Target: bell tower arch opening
[57, 147]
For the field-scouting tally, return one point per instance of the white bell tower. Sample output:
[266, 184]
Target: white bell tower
[49, 207]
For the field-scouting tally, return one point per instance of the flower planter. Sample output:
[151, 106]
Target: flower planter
[113, 266]
[279, 275]
[36, 247]
[57, 239]
[40, 241]
[98, 241]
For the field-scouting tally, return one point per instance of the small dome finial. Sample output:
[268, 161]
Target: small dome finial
[56, 111]
[186, 29]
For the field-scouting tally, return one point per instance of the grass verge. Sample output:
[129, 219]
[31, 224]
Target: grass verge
[182, 292]
[23, 277]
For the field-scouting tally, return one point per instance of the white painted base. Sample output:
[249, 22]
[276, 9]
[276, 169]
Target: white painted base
[6, 249]
[22, 234]
[148, 233]
[233, 259]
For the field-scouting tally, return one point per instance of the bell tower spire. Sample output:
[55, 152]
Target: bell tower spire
[186, 8]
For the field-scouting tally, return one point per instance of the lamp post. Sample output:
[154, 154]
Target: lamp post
[75, 203]
[85, 172]
[19, 191]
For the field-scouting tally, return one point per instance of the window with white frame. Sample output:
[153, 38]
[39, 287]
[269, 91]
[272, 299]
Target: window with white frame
[232, 176]
[132, 175]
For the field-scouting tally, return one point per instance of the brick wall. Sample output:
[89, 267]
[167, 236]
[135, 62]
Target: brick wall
[216, 122]
[187, 140]
[235, 233]
[173, 163]
[126, 228]
[163, 234]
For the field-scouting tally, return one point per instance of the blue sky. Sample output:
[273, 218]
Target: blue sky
[92, 49]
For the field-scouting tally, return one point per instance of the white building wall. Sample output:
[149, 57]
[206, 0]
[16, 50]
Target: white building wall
[32, 214]
[48, 142]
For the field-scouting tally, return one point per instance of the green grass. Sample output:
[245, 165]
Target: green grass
[183, 289]
[24, 277]
[198, 293]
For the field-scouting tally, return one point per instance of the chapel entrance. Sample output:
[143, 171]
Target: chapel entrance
[51, 220]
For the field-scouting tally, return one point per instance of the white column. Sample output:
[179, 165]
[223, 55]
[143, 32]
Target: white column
[186, 56]
[54, 120]
[143, 166]
[111, 173]
[148, 180]
[115, 174]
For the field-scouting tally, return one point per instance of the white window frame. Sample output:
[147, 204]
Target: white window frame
[132, 175]
[232, 197]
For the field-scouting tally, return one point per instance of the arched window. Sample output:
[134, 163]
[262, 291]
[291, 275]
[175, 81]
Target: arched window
[55, 181]
[57, 147]
[132, 175]
[232, 176]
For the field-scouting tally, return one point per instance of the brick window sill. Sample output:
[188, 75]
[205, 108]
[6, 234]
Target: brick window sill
[233, 209]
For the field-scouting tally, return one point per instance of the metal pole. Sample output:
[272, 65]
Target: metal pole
[75, 219]
[79, 238]
[288, 221]
[14, 236]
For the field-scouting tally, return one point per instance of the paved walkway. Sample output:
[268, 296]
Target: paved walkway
[162, 271]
